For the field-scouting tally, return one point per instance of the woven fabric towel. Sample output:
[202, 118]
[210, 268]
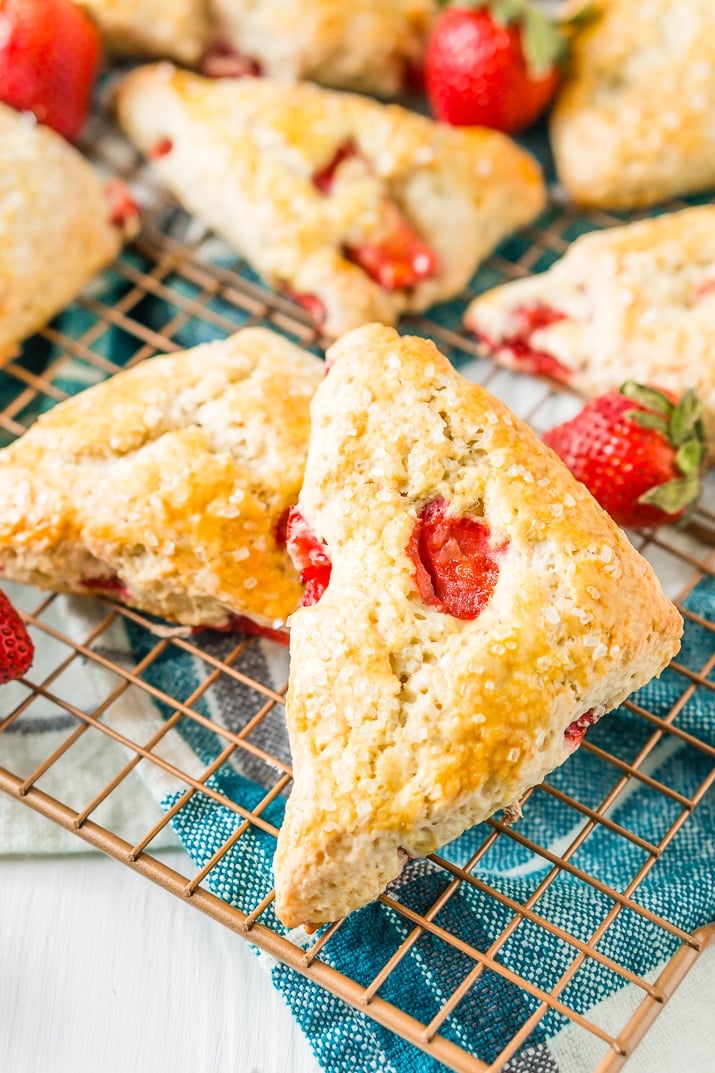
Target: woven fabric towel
[680, 885]
[680, 888]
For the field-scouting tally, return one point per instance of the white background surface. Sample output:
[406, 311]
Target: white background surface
[101, 971]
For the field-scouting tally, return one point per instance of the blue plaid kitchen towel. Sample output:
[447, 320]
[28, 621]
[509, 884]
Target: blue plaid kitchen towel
[680, 887]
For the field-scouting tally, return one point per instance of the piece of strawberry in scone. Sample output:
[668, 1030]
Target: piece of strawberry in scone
[634, 302]
[476, 611]
[201, 454]
[360, 211]
[60, 224]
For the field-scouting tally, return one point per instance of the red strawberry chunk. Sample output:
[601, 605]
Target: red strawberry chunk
[310, 557]
[456, 564]
[161, 148]
[575, 731]
[325, 177]
[280, 529]
[399, 262]
[526, 357]
[49, 59]
[106, 584]
[310, 303]
[242, 624]
[123, 209]
[531, 318]
[221, 60]
[704, 289]
[16, 649]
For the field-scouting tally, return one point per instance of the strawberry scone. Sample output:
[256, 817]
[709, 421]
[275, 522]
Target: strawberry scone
[179, 29]
[59, 223]
[366, 45]
[359, 210]
[472, 611]
[629, 303]
[634, 122]
[167, 487]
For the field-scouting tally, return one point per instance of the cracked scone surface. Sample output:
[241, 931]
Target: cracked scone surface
[366, 45]
[635, 120]
[630, 303]
[243, 156]
[165, 485]
[179, 29]
[55, 226]
[408, 725]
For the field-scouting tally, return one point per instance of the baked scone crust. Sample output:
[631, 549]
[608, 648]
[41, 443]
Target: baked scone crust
[165, 486]
[55, 226]
[635, 120]
[635, 302]
[177, 29]
[242, 155]
[365, 45]
[408, 725]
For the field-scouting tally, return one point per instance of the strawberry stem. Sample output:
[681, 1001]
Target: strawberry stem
[544, 44]
[681, 424]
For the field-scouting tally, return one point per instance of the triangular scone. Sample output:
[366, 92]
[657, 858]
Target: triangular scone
[481, 610]
[179, 29]
[167, 486]
[361, 210]
[56, 226]
[629, 303]
[633, 123]
[364, 45]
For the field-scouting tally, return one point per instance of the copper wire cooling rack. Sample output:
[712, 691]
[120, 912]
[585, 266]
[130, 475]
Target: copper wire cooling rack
[199, 286]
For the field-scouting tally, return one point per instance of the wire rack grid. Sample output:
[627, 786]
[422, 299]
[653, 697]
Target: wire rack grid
[176, 285]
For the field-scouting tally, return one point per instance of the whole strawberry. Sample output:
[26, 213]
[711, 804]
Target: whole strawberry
[16, 649]
[49, 58]
[493, 63]
[638, 451]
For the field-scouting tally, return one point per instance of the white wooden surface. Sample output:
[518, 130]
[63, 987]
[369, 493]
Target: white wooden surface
[103, 972]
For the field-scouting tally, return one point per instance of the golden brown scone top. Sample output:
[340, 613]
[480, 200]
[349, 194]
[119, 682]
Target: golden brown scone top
[634, 123]
[55, 227]
[179, 29]
[409, 725]
[364, 45]
[170, 479]
[242, 155]
[635, 302]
